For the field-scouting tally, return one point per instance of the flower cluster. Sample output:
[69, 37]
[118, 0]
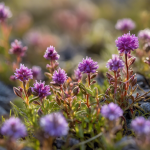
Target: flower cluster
[126, 43]
[144, 34]
[115, 63]
[13, 128]
[23, 73]
[125, 24]
[17, 48]
[4, 12]
[78, 74]
[141, 126]
[54, 125]
[51, 54]
[87, 66]
[111, 111]
[59, 76]
[41, 89]
[36, 70]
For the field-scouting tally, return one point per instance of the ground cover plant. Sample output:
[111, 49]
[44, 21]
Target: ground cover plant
[74, 111]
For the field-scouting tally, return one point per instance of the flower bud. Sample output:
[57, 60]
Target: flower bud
[17, 92]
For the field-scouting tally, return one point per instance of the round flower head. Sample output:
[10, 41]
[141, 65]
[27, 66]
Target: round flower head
[144, 34]
[125, 24]
[4, 12]
[87, 66]
[13, 128]
[23, 73]
[140, 125]
[126, 43]
[78, 74]
[17, 48]
[111, 111]
[54, 125]
[115, 63]
[41, 89]
[36, 70]
[51, 54]
[59, 76]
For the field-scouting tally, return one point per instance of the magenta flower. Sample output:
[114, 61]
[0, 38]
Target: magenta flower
[59, 76]
[87, 66]
[140, 125]
[78, 74]
[111, 111]
[4, 12]
[23, 73]
[115, 63]
[125, 24]
[13, 128]
[144, 34]
[54, 125]
[36, 70]
[126, 43]
[51, 54]
[41, 89]
[17, 48]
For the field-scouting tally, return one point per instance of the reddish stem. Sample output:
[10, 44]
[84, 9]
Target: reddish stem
[87, 96]
[126, 62]
[115, 84]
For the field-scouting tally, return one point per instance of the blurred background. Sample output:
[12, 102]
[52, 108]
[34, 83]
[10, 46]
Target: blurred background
[76, 28]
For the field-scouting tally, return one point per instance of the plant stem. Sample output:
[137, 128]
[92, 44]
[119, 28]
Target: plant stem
[24, 88]
[87, 95]
[126, 62]
[115, 84]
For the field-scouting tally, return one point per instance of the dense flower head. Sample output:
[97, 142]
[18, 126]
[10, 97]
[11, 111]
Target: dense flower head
[54, 124]
[115, 63]
[141, 126]
[41, 89]
[4, 12]
[17, 48]
[126, 43]
[23, 73]
[78, 74]
[125, 24]
[87, 66]
[111, 111]
[59, 76]
[51, 54]
[13, 128]
[36, 70]
[144, 34]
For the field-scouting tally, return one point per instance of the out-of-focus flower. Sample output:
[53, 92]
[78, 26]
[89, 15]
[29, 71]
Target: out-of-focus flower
[126, 43]
[4, 12]
[125, 24]
[88, 66]
[111, 111]
[36, 70]
[144, 35]
[78, 74]
[51, 54]
[59, 76]
[17, 48]
[41, 89]
[141, 126]
[54, 125]
[23, 73]
[13, 128]
[115, 63]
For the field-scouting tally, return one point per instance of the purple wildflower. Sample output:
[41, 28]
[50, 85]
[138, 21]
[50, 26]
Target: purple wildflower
[87, 66]
[140, 125]
[23, 73]
[54, 124]
[115, 63]
[51, 54]
[78, 74]
[17, 48]
[125, 24]
[111, 111]
[41, 89]
[13, 128]
[144, 34]
[36, 70]
[4, 12]
[59, 76]
[126, 43]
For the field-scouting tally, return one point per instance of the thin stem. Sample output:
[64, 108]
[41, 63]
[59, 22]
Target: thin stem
[115, 84]
[126, 62]
[89, 79]
[52, 66]
[24, 88]
[87, 95]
